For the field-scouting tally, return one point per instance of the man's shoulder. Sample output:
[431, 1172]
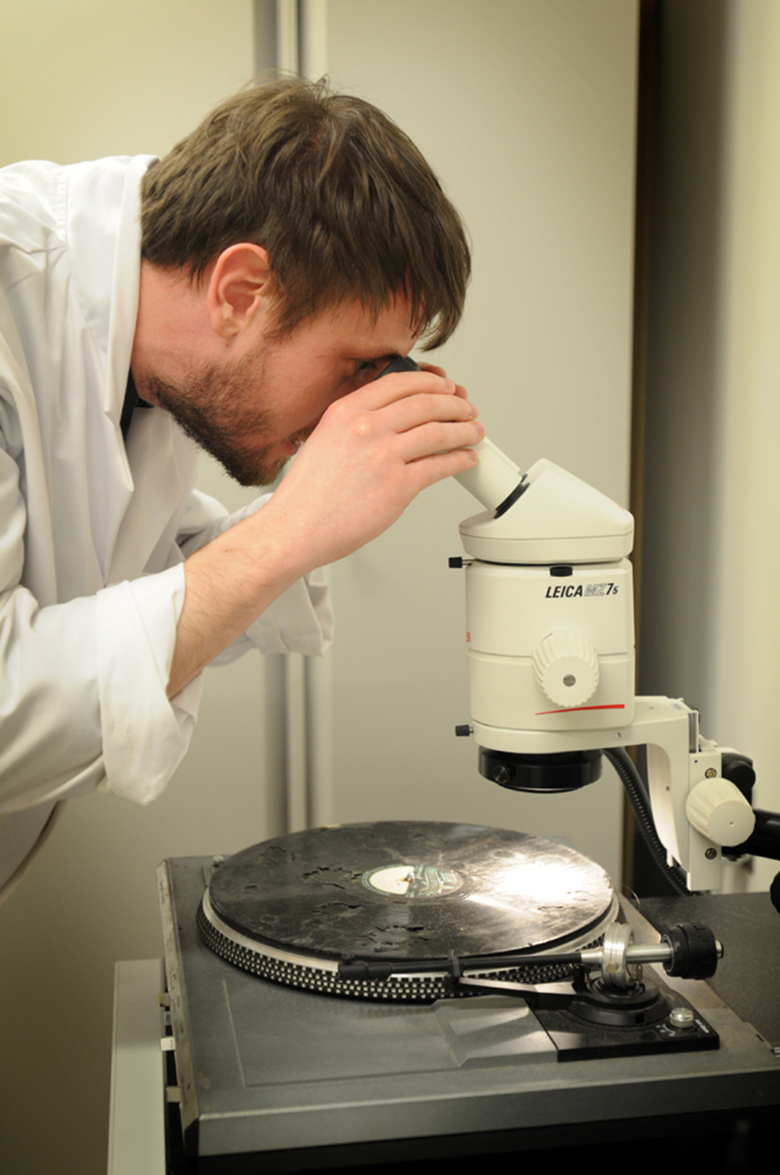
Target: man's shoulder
[28, 204]
[41, 201]
[69, 258]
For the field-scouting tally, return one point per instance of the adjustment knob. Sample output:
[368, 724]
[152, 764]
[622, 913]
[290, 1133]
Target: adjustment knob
[566, 668]
[718, 809]
[694, 951]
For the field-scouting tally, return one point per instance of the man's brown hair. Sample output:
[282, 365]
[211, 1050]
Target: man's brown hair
[340, 197]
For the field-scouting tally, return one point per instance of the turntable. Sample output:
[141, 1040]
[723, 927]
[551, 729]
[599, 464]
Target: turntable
[369, 910]
[346, 995]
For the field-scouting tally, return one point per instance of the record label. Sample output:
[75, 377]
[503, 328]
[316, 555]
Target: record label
[412, 881]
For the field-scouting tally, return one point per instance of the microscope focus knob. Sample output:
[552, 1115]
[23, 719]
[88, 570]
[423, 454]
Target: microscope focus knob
[720, 812]
[566, 668]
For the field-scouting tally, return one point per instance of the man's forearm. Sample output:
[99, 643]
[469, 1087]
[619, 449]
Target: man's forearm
[228, 584]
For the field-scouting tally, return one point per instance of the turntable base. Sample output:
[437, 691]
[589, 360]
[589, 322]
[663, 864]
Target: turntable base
[298, 1081]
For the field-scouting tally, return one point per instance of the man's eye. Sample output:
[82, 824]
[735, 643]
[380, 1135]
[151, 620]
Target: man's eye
[367, 369]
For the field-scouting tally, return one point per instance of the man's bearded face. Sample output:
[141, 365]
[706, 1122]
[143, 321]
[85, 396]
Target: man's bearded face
[220, 410]
[252, 413]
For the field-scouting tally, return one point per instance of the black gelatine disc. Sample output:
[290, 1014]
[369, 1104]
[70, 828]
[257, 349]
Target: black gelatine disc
[408, 890]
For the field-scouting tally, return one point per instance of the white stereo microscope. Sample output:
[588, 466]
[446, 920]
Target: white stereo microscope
[550, 638]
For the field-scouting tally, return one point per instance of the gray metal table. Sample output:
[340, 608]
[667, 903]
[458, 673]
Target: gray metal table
[136, 1138]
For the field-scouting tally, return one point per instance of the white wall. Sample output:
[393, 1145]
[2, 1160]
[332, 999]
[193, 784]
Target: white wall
[527, 111]
[711, 626]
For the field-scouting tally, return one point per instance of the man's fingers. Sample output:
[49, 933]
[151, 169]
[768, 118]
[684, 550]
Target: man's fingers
[390, 388]
[399, 416]
[428, 470]
[459, 390]
[415, 411]
[436, 437]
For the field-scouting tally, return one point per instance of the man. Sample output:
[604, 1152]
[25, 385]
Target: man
[243, 292]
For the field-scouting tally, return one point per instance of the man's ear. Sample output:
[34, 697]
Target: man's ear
[239, 287]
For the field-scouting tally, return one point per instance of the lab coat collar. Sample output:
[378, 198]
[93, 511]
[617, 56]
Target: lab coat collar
[106, 260]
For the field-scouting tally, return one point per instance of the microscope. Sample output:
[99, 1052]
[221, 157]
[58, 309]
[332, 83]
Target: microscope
[550, 641]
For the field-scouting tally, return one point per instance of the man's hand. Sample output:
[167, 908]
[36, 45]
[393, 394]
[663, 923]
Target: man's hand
[369, 456]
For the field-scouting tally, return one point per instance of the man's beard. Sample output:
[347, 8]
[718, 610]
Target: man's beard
[210, 408]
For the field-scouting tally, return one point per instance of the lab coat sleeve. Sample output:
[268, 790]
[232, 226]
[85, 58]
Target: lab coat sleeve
[144, 735]
[83, 696]
[83, 700]
[299, 621]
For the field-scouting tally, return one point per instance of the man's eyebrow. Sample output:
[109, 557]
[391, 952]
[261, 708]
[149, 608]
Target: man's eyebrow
[382, 358]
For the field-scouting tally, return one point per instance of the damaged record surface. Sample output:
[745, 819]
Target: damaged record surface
[290, 909]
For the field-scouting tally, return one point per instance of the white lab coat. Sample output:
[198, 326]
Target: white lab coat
[92, 534]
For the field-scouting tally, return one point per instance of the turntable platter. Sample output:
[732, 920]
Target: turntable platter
[290, 909]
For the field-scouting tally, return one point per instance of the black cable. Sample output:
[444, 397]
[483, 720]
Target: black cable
[640, 802]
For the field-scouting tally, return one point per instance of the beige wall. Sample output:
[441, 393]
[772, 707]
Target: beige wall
[743, 661]
[711, 624]
[526, 109]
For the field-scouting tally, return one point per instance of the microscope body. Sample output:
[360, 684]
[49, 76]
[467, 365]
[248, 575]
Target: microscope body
[550, 642]
[549, 609]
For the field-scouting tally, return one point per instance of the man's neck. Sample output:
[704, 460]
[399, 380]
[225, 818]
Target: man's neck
[173, 327]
